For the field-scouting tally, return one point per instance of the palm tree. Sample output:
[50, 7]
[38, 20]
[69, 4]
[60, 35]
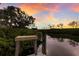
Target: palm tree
[60, 25]
[50, 26]
[74, 24]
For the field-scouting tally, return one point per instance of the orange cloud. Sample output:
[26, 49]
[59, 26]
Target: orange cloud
[28, 9]
[75, 8]
[45, 19]
[32, 8]
[49, 17]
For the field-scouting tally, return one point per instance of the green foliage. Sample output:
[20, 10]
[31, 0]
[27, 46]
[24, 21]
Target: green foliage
[12, 16]
[7, 41]
[6, 47]
[13, 22]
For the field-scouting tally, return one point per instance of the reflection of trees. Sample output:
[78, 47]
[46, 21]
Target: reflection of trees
[60, 39]
[73, 43]
[14, 17]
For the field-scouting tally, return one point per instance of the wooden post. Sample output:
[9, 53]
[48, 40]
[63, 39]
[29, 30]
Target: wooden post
[35, 47]
[27, 38]
[43, 43]
[17, 48]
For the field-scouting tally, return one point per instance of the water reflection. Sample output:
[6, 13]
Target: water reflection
[60, 39]
[61, 47]
[73, 43]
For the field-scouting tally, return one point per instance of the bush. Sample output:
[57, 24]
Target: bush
[7, 41]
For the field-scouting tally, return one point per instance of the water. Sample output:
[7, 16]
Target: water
[56, 48]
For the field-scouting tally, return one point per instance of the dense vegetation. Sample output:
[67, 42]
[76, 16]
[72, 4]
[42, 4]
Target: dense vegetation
[14, 17]
[7, 41]
[14, 22]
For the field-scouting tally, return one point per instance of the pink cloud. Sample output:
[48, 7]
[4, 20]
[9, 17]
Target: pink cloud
[74, 8]
[32, 9]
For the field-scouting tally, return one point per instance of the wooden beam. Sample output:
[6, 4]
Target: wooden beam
[44, 43]
[35, 47]
[23, 38]
[17, 48]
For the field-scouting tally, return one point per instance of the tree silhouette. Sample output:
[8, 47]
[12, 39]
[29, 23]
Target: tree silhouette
[50, 26]
[60, 25]
[74, 24]
[14, 17]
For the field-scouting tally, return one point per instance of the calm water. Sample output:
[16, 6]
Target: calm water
[56, 48]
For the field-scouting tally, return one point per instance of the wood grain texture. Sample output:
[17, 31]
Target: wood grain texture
[28, 37]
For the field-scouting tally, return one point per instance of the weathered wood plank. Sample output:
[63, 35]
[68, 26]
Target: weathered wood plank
[35, 47]
[29, 37]
[44, 43]
[23, 38]
[17, 48]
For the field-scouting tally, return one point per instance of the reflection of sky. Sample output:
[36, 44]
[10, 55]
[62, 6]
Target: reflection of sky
[46, 14]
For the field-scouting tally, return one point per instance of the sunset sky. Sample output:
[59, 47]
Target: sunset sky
[49, 13]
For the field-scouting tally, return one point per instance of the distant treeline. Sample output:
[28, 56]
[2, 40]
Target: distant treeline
[72, 34]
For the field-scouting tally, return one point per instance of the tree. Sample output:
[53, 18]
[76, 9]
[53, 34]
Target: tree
[74, 24]
[50, 26]
[14, 17]
[60, 25]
